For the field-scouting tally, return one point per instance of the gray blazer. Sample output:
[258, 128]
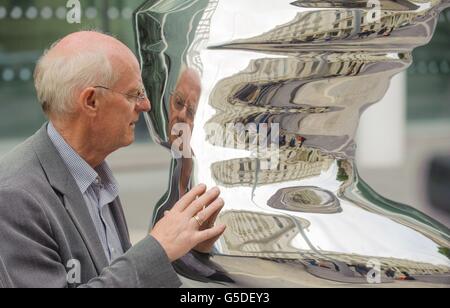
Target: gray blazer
[5, 281]
[47, 237]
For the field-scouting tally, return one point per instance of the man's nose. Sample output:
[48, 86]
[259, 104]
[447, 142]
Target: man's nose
[184, 112]
[144, 106]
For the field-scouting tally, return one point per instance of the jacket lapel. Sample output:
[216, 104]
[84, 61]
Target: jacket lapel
[62, 181]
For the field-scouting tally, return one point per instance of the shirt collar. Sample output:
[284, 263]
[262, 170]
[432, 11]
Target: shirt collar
[82, 172]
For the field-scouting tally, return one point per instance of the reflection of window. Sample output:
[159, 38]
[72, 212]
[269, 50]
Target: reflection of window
[29, 27]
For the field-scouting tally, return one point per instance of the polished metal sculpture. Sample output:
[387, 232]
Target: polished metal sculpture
[269, 94]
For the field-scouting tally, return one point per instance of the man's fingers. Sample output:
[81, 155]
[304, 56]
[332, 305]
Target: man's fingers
[212, 210]
[213, 218]
[203, 202]
[190, 197]
[211, 233]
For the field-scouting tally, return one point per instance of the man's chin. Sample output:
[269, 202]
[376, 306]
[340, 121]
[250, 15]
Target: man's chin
[129, 141]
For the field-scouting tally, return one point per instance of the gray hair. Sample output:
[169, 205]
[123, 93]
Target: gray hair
[57, 79]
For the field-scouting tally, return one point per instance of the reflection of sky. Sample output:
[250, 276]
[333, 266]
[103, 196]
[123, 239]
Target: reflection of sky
[237, 19]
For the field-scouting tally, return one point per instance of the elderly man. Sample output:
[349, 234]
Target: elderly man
[183, 107]
[61, 221]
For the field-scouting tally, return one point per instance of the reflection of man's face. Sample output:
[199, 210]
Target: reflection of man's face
[184, 101]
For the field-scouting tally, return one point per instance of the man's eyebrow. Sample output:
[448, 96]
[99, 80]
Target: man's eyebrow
[180, 95]
[137, 89]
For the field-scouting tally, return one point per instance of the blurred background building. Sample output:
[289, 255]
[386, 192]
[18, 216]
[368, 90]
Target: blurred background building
[398, 137]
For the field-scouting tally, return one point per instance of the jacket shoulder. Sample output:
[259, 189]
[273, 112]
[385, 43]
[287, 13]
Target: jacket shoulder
[21, 167]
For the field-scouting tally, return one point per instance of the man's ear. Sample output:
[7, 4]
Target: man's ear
[88, 101]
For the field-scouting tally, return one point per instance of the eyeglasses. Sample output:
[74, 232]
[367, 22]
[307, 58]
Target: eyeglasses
[140, 97]
[180, 105]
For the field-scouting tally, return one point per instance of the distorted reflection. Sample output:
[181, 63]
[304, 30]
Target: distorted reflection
[309, 69]
[261, 234]
[272, 237]
[295, 164]
[393, 5]
[342, 26]
[183, 104]
[306, 200]
[183, 108]
[316, 99]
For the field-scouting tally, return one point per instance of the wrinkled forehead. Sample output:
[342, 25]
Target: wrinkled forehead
[189, 83]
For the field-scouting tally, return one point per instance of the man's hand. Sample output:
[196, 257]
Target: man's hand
[189, 223]
[206, 246]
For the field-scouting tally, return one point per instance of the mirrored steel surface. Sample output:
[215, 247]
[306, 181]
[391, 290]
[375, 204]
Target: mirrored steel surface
[226, 68]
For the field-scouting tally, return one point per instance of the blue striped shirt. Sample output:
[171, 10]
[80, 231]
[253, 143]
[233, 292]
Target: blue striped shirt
[99, 189]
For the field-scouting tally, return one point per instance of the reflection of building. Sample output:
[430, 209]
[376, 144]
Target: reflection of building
[201, 37]
[300, 89]
[251, 87]
[306, 200]
[393, 5]
[251, 232]
[293, 165]
[334, 24]
[310, 96]
[267, 236]
[396, 268]
[254, 130]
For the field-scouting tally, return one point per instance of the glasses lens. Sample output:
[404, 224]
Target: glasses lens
[179, 103]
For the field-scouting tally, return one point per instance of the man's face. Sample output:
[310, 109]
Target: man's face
[119, 113]
[184, 101]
